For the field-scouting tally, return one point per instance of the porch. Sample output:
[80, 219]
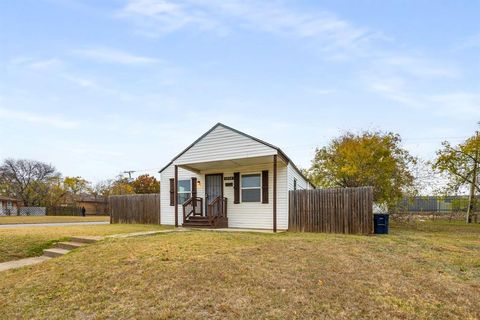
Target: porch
[239, 193]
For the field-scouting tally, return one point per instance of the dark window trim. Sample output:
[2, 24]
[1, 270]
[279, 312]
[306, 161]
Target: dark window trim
[259, 188]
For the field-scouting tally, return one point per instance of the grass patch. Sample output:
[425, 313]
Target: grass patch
[50, 219]
[23, 242]
[427, 271]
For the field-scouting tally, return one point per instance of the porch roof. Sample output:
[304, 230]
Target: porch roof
[229, 163]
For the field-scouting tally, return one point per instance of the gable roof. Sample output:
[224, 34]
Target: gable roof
[280, 152]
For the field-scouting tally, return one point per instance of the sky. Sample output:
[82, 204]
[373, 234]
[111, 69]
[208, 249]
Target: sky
[100, 87]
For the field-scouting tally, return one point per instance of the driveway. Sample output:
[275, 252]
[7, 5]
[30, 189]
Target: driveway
[53, 224]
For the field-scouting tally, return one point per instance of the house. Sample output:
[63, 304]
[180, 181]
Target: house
[8, 206]
[94, 205]
[227, 178]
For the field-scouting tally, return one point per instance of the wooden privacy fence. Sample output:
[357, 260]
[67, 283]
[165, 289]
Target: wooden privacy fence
[137, 208]
[342, 210]
[64, 211]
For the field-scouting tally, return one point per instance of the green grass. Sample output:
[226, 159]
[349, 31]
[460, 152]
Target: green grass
[23, 242]
[50, 219]
[422, 271]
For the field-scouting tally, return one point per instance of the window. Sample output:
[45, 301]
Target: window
[294, 184]
[251, 188]
[9, 204]
[184, 191]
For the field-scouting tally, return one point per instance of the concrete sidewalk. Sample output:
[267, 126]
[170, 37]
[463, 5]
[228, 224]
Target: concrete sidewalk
[53, 224]
[22, 263]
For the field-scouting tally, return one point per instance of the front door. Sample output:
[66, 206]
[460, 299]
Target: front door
[213, 188]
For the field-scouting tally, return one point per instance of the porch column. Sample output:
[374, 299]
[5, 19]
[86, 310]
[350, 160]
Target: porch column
[175, 191]
[275, 193]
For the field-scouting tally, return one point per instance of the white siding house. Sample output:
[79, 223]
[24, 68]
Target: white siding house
[227, 178]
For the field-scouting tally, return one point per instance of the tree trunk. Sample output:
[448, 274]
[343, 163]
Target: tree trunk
[471, 200]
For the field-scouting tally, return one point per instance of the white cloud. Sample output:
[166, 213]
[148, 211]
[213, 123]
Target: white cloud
[82, 82]
[471, 42]
[459, 105]
[164, 16]
[103, 54]
[418, 67]
[38, 64]
[38, 118]
[159, 17]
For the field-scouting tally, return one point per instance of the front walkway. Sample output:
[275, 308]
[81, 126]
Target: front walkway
[35, 260]
[52, 224]
[22, 263]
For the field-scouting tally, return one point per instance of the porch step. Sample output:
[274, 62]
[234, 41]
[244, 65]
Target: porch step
[86, 239]
[199, 223]
[194, 225]
[69, 245]
[55, 252]
[195, 219]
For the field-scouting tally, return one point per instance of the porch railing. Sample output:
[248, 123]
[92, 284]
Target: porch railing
[217, 209]
[193, 206]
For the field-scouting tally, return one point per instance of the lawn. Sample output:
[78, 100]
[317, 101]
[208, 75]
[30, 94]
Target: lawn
[50, 219]
[22, 242]
[424, 271]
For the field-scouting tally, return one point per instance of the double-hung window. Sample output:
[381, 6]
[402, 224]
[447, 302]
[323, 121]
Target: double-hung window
[184, 190]
[251, 188]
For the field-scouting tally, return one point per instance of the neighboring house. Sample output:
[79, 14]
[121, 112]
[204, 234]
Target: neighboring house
[92, 204]
[227, 178]
[8, 206]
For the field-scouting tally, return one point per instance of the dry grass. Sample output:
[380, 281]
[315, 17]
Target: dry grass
[50, 219]
[22, 242]
[429, 271]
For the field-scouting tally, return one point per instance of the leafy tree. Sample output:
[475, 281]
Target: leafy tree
[146, 184]
[27, 180]
[76, 185]
[121, 186]
[365, 159]
[460, 164]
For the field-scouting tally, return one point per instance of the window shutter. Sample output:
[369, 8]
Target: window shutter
[172, 192]
[194, 191]
[265, 186]
[236, 187]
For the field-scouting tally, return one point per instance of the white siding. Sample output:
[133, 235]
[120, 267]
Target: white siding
[224, 144]
[301, 182]
[254, 215]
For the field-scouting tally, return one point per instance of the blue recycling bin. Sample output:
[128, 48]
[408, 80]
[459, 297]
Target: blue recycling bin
[380, 223]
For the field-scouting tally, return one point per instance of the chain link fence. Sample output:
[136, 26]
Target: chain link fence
[23, 211]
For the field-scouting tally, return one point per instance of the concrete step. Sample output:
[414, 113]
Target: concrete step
[55, 252]
[69, 245]
[86, 239]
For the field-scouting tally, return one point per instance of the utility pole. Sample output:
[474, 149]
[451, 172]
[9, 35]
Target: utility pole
[472, 200]
[129, 174]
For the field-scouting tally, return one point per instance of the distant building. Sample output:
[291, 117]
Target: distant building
[8, 206]
[92, 204]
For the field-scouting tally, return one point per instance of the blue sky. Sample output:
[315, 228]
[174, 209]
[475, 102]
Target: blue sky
[99, 87]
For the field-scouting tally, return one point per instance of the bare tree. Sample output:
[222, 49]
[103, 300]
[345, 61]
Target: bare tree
[27, 180]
